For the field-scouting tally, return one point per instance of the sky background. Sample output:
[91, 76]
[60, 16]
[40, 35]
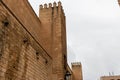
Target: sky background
[93, 35]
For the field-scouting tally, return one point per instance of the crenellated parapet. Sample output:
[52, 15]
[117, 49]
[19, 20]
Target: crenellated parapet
[76, 64]
[51, 5]
[55, 7]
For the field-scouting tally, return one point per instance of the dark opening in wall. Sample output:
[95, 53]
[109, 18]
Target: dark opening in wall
[25, 40]
[37, 55]
[5, 22]
[13, 66]
[37, 58]
[46, 61]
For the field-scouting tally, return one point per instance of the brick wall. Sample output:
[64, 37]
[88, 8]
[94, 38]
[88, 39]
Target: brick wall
[53, 21]
[77, 71]
[24, 37]
[21, 56]
[24, 12]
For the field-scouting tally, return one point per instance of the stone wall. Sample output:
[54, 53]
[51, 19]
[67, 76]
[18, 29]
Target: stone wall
[24, 12]
[77, 71]
[53, 21]
[21, 56]
[27, 41]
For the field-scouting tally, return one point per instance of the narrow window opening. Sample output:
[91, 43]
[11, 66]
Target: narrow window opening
[25, 40]
[5, 22]
[37, 55]
[46, 61]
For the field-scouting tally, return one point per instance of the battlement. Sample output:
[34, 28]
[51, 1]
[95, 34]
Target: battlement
[55, 8]
[50, 5]
[51, 16]
[76, 64]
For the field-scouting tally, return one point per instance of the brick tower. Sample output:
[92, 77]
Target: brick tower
[53, 21]
[77, 71]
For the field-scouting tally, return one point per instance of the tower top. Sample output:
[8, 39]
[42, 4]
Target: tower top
[59, 4]
[77, 70]
[76, 64]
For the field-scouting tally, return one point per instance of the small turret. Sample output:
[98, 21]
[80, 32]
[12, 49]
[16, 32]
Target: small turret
[77, 71]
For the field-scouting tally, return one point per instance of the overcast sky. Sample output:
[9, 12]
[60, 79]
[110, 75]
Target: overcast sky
[93, 34]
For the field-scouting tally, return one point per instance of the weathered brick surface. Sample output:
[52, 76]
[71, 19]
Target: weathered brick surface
[21, 57]
[53, 21]
[24, 12]
[77, 71]
[49, 31]
[32, 48]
